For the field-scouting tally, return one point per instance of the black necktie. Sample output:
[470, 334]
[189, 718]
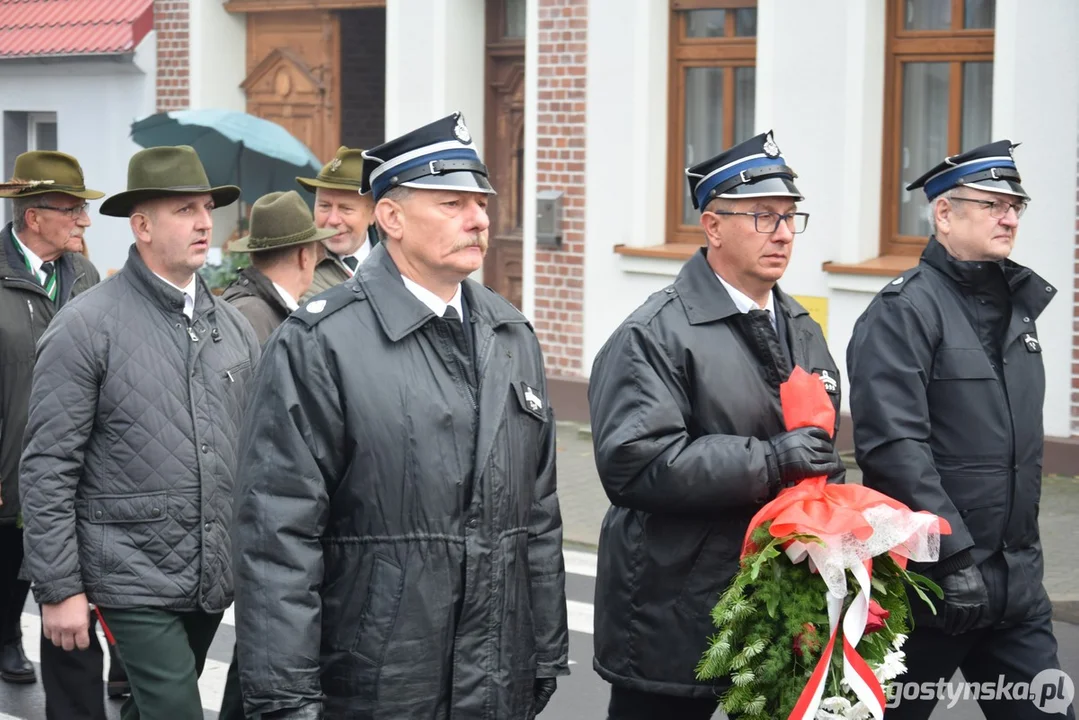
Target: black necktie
[49, 283]
[351, 261]
[451, 314]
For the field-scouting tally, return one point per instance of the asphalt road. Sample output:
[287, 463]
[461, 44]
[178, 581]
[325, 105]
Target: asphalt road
[581, 696]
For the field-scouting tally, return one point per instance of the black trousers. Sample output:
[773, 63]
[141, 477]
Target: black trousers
[627, 704]
[74, 689]
[13, 591]
[1001, 661]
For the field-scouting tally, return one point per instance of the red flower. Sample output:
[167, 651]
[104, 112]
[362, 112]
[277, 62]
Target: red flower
[808, 640]
[877, 616]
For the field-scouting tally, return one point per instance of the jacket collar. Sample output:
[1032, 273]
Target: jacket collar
[401, 313]
[706, 300]
[164, 295]
[13, 267]
[1024, 285]
[252, 282]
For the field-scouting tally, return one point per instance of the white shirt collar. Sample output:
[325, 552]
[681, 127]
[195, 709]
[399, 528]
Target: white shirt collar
[189, 294]
[35, 261]
[363, 252]
[290, 302]
[744, 303]
[433, 301]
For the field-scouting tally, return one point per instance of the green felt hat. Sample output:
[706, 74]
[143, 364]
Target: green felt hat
[344, 172]
[164, 172]
[46, 171]
[278, 220]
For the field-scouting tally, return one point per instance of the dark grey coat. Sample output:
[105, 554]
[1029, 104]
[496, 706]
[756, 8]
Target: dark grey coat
[683, 396]
[25, 312]
[398, 540]
[128, 467]
[947, 387]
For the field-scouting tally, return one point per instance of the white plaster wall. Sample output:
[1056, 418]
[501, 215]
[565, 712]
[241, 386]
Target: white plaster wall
[218, 59]
[95, 102]
[446, 75]
[528, 240]
[1036, 102]
[626, 156]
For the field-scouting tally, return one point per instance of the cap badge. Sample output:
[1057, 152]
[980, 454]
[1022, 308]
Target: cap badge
[336, 163]
[770, 148]
[461, 131]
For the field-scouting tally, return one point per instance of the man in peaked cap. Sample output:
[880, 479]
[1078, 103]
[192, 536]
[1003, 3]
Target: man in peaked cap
[947, 386]
[40, 271]
[689, 435]
[285, 247]
[397, 516]
[340, 206]
[127, 473]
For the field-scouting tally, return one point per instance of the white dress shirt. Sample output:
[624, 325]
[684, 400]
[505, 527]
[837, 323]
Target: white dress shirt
[744, 303]
[35, 261]
[290, 302]
[428, 298]
[189, 294]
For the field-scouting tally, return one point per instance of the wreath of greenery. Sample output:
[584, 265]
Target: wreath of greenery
[772, 626]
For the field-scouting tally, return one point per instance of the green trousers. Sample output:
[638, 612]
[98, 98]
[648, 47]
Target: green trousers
[163, 652]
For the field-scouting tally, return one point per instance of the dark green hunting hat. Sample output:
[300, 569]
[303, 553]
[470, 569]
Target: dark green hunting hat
[163, 172]
[278, 220]
[45, 171]
[344, 172]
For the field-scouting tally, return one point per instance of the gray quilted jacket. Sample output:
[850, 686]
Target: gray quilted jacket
[126, 479]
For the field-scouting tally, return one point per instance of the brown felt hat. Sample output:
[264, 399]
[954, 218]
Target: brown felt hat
[165, 172]
[344, 172]
[46, 171]
[278, 220]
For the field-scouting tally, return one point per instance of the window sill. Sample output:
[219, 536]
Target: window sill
[869, 276]
[883, 266]
[662, 260]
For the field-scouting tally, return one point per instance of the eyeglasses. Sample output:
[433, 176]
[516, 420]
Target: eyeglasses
[998, 208]
[768, 222]
[72, 212]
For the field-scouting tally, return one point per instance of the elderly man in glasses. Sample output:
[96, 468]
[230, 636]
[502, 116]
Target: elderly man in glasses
[947, 385]
[689, 434]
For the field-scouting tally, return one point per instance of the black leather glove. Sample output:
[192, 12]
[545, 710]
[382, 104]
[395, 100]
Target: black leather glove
[800, 454]
[965, 600]
[542, 691]
[311, 711]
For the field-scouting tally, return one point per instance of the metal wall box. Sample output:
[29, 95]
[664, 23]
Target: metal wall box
[549, 218]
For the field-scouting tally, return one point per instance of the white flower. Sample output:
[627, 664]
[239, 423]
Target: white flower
[834, 708]
[891, 667]
[897, 643]
[859, 712]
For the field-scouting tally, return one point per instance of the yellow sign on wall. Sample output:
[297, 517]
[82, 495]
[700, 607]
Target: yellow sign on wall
[818, 310]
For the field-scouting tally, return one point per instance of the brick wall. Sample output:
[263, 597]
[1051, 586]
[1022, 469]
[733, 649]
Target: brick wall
[560, 143]
[172, 25]
[1075, 315]
[363, 77]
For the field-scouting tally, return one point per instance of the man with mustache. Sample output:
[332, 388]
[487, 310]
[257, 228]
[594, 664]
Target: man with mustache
[340, 206]
[41, 269]
[398, 540]
[947, 386]
[689, 434]
[127, 473]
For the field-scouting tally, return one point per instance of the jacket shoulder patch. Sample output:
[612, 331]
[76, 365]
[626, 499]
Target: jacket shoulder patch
[896, 286]
[325, 304]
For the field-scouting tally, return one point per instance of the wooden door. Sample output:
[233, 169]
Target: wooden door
[504, 146]
[293, 77]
